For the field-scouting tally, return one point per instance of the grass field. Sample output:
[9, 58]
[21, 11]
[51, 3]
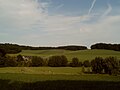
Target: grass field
[34, 74]
[58, 78]
[81, 54]
[42, 70]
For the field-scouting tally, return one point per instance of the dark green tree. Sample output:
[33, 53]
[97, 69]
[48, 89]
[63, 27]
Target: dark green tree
[97, 65]
[37, 61]
[111, 65]
[2, 53]
[10, 62]
[20, 58]
[20, 61]
[86, 63]
[57, 61]
[2, 61]
[75, 62]
[2, 57]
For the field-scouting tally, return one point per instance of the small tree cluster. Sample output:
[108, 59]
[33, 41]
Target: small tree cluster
[57, 61]
[97, 65]
[37, 61]
[109, 65]
[86, 63]
[75, 62]
[11, 62]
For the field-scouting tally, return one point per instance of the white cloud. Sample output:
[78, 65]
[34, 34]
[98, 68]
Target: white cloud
[104, 26]
[21, 13]
[61, 22]
[30, 15]
[27, 14]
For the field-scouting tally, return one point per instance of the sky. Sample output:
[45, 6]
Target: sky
[59, 22]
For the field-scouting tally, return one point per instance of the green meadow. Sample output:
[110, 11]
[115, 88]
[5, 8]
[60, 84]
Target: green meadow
[81, 54]
[59, 78]
[34, 74]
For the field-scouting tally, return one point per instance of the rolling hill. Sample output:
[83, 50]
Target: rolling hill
[81, 54]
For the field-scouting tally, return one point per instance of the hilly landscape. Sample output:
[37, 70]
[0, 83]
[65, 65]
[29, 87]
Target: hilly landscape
[82, 55]
[77, 67]
[59, 44]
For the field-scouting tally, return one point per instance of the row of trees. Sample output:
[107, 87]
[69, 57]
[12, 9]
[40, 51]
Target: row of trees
[115, 47]
[14, 48]
[73, 47]
[35, 61]
[109, 65]
[19, 61]
[10, 48]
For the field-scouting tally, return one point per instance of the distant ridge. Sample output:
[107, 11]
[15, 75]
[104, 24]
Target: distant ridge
[115, 47]
[15, 48]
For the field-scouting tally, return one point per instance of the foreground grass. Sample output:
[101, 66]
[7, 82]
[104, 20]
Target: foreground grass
[49, 78]
[40, 77]
[42, 70]
[82, 55]
[59, 85]
[34, 74]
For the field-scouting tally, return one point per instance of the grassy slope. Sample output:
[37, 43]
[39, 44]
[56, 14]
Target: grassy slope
[82, 54]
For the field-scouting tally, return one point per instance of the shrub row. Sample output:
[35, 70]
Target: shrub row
[35, 61]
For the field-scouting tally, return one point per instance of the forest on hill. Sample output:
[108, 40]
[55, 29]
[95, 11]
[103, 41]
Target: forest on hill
[15, 48]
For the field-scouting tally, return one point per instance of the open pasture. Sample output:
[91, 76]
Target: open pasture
[34, 74]
[82, 55]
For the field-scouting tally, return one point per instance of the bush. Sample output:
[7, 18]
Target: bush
[2, 61]
[75, 62]
[20, 61]
[37, 61]
[111, 65]
[20, 58]
[57, 61]
[2, 52]
[86, 63]
[10, 62]
[97, 65]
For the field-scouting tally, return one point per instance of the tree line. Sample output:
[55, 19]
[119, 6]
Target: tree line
[14, 48]
[115, 47]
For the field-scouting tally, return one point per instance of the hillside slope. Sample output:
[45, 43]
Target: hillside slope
[81, 54]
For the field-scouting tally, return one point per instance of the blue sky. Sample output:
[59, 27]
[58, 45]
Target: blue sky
[59, 22]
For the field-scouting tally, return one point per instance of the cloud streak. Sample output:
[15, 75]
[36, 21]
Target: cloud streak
[107, 11]
[59, 6]
[92, 6]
